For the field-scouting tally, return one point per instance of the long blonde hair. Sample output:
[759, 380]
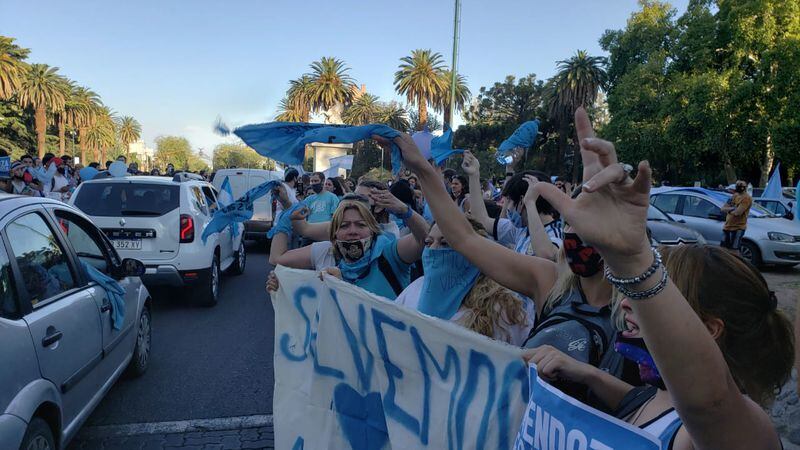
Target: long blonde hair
[338, 218]
[488, 305]
[565, 283]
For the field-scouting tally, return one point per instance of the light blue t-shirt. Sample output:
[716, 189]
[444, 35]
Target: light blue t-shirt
[374, 281]
[321, 206]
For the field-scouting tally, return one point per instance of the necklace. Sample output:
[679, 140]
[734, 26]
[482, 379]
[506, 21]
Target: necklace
[639, 413]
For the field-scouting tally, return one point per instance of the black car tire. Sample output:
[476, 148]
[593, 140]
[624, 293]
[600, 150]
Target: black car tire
[208, 292]
[751, 253]
[141, 351]
[239, 260]
[38, 436]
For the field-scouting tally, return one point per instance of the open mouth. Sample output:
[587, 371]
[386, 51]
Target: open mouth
[631, 328]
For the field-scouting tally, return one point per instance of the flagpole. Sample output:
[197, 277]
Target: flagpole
[454, 70]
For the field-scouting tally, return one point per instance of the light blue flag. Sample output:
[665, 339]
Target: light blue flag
[774, 189]
[87, 173]
[226, 198]
[524, 137]
[556, 420]
[238, 211]
[441, 147]
[284, 223]
[115, 292]
[286, 141]
[44, 175]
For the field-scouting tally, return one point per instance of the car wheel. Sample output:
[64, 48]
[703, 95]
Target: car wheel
[141, 352]
[38, 436]
[239, 260]
[751, 253]
[209, 291]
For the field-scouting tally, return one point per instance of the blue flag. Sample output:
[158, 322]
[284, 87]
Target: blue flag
[284, 223]
[238, 211]
[286, 141]
[441, 147]
[225, 198]
[774, 189]
[523, 137]
[556, 420]
[115, 292]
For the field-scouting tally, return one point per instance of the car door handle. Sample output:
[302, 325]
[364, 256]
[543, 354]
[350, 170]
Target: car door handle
[52, 337]
[106, 306]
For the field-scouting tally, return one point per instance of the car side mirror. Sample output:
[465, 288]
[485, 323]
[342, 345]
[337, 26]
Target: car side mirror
[130, 268]
[681, 221]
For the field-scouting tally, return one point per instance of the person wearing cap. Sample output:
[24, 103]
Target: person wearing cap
[18, 185]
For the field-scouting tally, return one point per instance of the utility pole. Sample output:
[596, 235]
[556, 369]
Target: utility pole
[454, 70]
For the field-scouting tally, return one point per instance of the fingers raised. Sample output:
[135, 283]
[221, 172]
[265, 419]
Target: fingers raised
[604, 150]
[643, 180]
[560, 201]
[611, 174]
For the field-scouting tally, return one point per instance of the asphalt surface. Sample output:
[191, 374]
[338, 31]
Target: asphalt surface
[205, 362]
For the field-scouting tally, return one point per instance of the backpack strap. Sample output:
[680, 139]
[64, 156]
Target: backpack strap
[634, 400]
[388, 273]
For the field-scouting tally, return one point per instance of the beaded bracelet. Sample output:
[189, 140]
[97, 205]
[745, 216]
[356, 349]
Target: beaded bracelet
[647, 293]
[637, 279]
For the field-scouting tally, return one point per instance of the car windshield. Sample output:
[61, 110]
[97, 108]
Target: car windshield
[127, 199]
[760, 212]
[653, 213]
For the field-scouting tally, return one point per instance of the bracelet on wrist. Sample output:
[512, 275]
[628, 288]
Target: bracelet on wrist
[647, 293]
[617, 281]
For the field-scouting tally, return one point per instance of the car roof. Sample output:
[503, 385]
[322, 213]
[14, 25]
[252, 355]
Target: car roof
[11, 202]
[146, 179]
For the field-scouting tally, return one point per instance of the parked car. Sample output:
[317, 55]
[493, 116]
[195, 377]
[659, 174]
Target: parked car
[61, 353]
[768, 239]
[242, 180]
[664, 230]
[160, 220]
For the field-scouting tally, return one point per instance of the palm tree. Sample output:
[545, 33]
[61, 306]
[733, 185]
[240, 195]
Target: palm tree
[87, 106]
[101, 133]
[462, 95]
[299, 97]
[332, 85]
[12, 68]
[42, 89]
[128, 130]
[577, 83]
[419, 78]
[364, 109]
[395, 116]
[288, 113]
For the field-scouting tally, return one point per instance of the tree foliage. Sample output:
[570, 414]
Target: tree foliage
[177, 151]
[239, 155]
[420, 77]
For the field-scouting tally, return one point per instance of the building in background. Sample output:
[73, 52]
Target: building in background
[143, 154]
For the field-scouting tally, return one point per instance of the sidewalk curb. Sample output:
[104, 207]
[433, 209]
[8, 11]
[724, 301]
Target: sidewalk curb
[180, 426]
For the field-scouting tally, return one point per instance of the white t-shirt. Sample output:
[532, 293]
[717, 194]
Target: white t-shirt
[59, 181]
[517, 334]
[322, 255]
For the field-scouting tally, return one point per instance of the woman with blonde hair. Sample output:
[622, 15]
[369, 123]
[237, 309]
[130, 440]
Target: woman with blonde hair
[453, 289]
[358, 251]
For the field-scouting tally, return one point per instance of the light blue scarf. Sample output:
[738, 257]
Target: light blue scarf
[523, 137]
[449, 276]
[115, 292]
[284, 223]
[238, 211]
[352, 271]
[441, 147]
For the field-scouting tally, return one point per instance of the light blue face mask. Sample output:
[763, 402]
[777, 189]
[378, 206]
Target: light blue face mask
[515, 217]
[449, 276]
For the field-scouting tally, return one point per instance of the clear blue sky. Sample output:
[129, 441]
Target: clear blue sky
[176, 65]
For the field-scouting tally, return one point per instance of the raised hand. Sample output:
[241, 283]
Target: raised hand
[300, 213]
[412, 156]
[553, 365]
[611, 211]
[387, 201]
[531, 195]
[470, 164]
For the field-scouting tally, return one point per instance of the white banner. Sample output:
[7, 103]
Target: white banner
[355, 371]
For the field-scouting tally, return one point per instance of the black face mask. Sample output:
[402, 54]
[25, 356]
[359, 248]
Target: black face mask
[740, 189]
[583, 260]
[317, 187]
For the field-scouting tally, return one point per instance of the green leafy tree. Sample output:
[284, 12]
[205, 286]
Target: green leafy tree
[12, 67]
[419, 78]
[128, 130]
[577, 83]
[508, 101]
[463, 94]
[173, 150]
[42, 89]
[239, 155]
[101, 135]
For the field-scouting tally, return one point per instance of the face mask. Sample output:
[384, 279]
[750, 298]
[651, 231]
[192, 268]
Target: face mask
[634, 349]
[317, 187]
[354, 250]
[740, 189]
[449, 276]
[514, 217]
[583, 260]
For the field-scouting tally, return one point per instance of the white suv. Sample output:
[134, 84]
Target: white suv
[159, 221]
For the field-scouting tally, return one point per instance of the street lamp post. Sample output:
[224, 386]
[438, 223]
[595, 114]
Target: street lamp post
[454, 70]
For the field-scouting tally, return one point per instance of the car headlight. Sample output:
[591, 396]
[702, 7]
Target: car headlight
[782, 237]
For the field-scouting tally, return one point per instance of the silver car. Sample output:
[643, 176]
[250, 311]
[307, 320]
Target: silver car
[60, 350]
[768, 239]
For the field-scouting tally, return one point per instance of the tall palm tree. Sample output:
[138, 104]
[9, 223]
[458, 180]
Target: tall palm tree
[577, 83]
[287, 112]
[332, 85]
[101, 133]
[395, 116]
[299, 97]
[12, 67]
[463, 95]
[419, 78]
[42, 89]
[128, 130]
[87, 106]
[364, 109]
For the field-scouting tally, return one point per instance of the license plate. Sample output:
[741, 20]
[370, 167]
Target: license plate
[127, 244]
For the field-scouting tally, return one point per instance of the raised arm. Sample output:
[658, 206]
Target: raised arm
[472, 167]
[409, 248]
[531, 276]
[542, 246]
[611, 214]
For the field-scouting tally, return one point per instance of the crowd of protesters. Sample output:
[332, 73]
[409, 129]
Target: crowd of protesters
[685, 342]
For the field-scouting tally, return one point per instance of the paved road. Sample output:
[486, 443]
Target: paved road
[206, 362]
